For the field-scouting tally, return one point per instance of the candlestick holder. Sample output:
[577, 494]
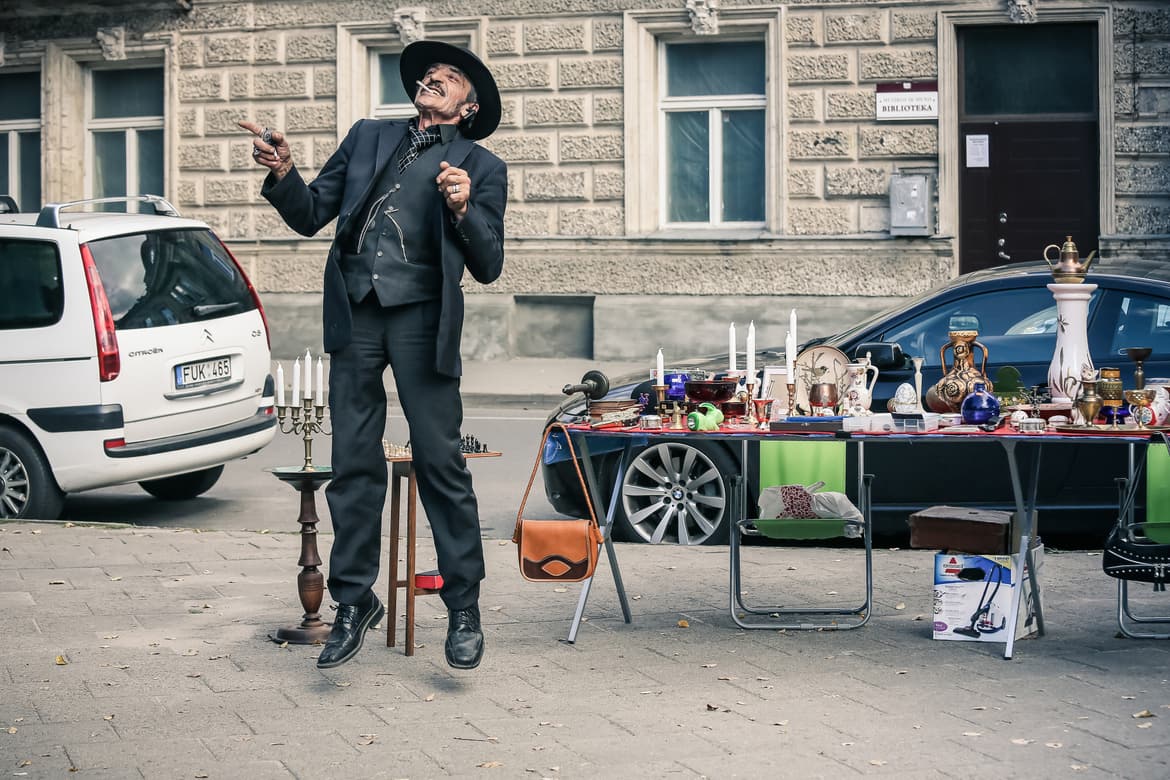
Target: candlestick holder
[304, 420]
[660, 400]
[749, 414]
[791, 387]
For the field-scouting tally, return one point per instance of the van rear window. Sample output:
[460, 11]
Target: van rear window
[30, 284]
[168, 278]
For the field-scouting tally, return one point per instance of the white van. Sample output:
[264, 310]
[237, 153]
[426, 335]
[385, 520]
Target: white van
[133, 348]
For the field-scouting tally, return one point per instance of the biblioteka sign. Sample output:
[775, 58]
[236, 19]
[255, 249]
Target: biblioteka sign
[907, 100]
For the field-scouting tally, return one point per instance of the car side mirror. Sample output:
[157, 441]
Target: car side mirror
[882, 355]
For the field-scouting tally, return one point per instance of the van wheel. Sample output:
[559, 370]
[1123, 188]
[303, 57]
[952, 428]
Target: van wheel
[182, 486]
[27, 486]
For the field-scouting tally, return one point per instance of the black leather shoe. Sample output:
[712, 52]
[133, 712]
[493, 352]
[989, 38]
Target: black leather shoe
[349, 629]
[464, 645]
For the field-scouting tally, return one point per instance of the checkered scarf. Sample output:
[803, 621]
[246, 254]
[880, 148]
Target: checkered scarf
[420, 140]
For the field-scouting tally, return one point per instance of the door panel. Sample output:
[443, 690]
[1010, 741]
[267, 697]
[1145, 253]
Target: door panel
[1040, 186]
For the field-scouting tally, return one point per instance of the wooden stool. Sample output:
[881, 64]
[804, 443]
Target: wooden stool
[415, 584]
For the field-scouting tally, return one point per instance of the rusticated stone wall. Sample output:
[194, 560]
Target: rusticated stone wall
[560, 66]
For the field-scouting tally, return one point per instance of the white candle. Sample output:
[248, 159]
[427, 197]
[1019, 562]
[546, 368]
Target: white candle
[279, 385]
[296, 399]
[731, 347]
[751, 352]
[790, 356]
[660, 372]
[308, 375]
[320, 382]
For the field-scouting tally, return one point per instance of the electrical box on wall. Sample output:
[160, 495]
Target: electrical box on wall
[911, 205]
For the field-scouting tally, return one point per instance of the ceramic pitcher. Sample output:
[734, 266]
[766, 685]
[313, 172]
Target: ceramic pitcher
[860, 378]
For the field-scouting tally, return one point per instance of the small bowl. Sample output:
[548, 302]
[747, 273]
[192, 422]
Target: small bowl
[734, 408]
[714, 391]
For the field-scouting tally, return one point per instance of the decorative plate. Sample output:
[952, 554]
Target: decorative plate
[821, 363]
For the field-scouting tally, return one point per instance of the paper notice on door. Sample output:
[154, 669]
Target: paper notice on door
[978, 151]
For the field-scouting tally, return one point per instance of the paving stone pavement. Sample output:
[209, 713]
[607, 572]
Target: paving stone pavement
[137, 652]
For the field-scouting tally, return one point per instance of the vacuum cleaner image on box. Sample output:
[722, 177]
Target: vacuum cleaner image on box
[973, 597]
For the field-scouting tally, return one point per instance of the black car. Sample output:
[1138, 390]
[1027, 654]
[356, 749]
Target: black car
[1015, 315]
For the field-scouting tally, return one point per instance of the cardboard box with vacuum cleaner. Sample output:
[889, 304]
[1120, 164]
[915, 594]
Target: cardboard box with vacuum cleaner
[973, 596]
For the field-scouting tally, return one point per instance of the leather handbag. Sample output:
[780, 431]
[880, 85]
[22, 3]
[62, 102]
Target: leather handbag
[557, 550]
[1131, 559]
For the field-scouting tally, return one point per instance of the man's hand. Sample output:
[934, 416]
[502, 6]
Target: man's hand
[455, 187]
[269, 148]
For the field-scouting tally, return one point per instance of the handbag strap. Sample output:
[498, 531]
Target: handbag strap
[532, 478]
[1131, 488]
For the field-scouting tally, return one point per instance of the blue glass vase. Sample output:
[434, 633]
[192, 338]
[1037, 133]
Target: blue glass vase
[980, 406]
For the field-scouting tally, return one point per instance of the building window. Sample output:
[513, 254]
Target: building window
[704, 130]
[368, 84]
[20, 138]
[389, 100]
[713, 104]
[126, 133]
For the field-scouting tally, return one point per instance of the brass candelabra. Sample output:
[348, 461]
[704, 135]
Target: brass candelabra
[305, 420]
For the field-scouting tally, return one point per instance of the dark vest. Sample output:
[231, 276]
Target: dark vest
[398, 249]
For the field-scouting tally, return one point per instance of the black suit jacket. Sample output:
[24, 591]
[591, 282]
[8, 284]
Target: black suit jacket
[342, 188]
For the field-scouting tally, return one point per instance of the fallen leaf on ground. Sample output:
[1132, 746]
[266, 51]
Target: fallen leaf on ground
[1145, 725]
[709, 666]
[1144, 714]
[1054, 744]
[560, 590]
[900, 605]
[490, 764]
[61, 661]
[429, 697]
[877, 762]
[683, 624]
[972, 734]
[1022, 741]
[56, 582]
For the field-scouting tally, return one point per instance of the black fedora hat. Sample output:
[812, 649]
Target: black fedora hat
[420, 55]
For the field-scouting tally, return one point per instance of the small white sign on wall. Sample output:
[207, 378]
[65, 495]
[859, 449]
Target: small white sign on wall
[906, 100]
[978, 151]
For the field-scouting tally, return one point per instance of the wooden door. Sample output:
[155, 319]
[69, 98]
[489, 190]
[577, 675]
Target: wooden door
[1028, 142]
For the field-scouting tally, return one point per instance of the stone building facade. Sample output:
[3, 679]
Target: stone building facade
[596, 267]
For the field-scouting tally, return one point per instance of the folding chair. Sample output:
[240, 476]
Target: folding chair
[805, 463]
[1151, 535]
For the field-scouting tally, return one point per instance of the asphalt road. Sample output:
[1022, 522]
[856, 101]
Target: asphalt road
[247, 497]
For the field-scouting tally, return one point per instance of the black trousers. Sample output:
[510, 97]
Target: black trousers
[402, 337]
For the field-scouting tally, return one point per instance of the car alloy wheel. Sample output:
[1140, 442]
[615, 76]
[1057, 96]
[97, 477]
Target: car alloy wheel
[675, 492]
[27, 487]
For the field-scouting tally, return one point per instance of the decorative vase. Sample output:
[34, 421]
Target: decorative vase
[1088, 404]
[947, 395]
[979, 406]
[1071, 359]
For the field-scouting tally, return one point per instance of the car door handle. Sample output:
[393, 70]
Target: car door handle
[1003, 256]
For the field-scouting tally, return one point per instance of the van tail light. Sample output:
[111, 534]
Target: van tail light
[109, 360]
[251, 291]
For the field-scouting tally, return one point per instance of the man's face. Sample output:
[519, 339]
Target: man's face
[446, 92]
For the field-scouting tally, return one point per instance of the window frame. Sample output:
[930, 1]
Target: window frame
[130, 126]
[646, 33]
[358, 47]
[11, 131]
[715, 106]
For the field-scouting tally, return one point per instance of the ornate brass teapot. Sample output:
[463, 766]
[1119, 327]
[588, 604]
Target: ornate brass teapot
[1069, 268]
